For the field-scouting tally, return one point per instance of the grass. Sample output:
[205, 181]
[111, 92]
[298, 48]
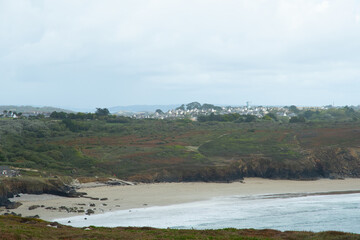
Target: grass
[272, 144]
[25, 228]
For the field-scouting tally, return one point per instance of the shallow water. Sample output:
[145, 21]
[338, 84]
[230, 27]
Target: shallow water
[283, 212]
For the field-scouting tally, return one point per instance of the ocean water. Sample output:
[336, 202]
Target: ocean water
[283, 212]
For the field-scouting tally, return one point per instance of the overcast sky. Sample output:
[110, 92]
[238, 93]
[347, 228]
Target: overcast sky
[106, 53]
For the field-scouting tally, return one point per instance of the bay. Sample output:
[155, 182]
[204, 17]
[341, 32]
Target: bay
[282, 212]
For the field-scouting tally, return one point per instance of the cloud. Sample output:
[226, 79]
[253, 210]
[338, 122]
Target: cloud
[217, 47]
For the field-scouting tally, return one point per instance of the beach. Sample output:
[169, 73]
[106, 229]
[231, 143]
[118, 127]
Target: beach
[103, 198]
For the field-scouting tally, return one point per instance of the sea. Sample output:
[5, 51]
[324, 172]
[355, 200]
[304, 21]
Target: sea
[285, 212]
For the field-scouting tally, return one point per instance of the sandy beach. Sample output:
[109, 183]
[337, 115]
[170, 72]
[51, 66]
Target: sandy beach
[112, 198]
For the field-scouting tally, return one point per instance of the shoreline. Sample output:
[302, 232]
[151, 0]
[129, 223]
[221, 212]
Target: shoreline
[101, 199]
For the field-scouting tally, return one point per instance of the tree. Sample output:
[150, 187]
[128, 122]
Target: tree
[270, 116]
[212, 117]
[349, 110]
[102, 112]
[182, 107]
[75, 126]
[308, 114]
[267, 118]
[193, 105]
[159, 111]
[2, 157]
[299, 119]
[202, 118]
[250, 118]
[207, 106]
[58, 115]
[294, 109]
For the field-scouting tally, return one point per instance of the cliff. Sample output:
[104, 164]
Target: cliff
[33, 185]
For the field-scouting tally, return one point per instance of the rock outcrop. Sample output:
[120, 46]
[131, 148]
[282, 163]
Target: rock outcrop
[9, 187]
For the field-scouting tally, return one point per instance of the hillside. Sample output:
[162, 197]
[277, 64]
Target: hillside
[27, 109]
[181, 150]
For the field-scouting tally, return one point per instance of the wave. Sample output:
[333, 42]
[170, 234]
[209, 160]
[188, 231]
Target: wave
[297, 212]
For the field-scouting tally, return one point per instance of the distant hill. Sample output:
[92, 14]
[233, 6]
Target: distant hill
[142, 108]
[24, 109]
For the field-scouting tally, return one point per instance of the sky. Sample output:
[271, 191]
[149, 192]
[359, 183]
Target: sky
[90, 53]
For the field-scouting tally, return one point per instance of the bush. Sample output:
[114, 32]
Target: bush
[299, 119]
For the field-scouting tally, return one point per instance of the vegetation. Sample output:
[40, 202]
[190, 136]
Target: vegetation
[295, 119]
[102, 112]
[197, 105]
[214, 148]
[227, 118]
[12, 227]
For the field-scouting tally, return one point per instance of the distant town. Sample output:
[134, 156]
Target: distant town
[185, 111]
[194, 110]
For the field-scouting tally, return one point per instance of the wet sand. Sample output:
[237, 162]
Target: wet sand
[160, 194]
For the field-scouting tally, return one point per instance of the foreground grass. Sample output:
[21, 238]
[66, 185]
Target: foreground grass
[25, 228]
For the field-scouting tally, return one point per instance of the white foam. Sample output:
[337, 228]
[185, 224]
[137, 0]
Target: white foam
[311, 213]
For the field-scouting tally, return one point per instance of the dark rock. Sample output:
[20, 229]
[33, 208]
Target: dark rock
[64, 190]
[13, 214]
[10, 195]
[51, 208]
[334, 176]
[92, 204]
[50, 186]
[64, 208]
[89, 211]
[103, 199]
[56, 224]
[34, 207]
[115, 183]
[13, 205]
[74, 209]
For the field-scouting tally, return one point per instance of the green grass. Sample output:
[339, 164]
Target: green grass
[244, 143]
[25, 228]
